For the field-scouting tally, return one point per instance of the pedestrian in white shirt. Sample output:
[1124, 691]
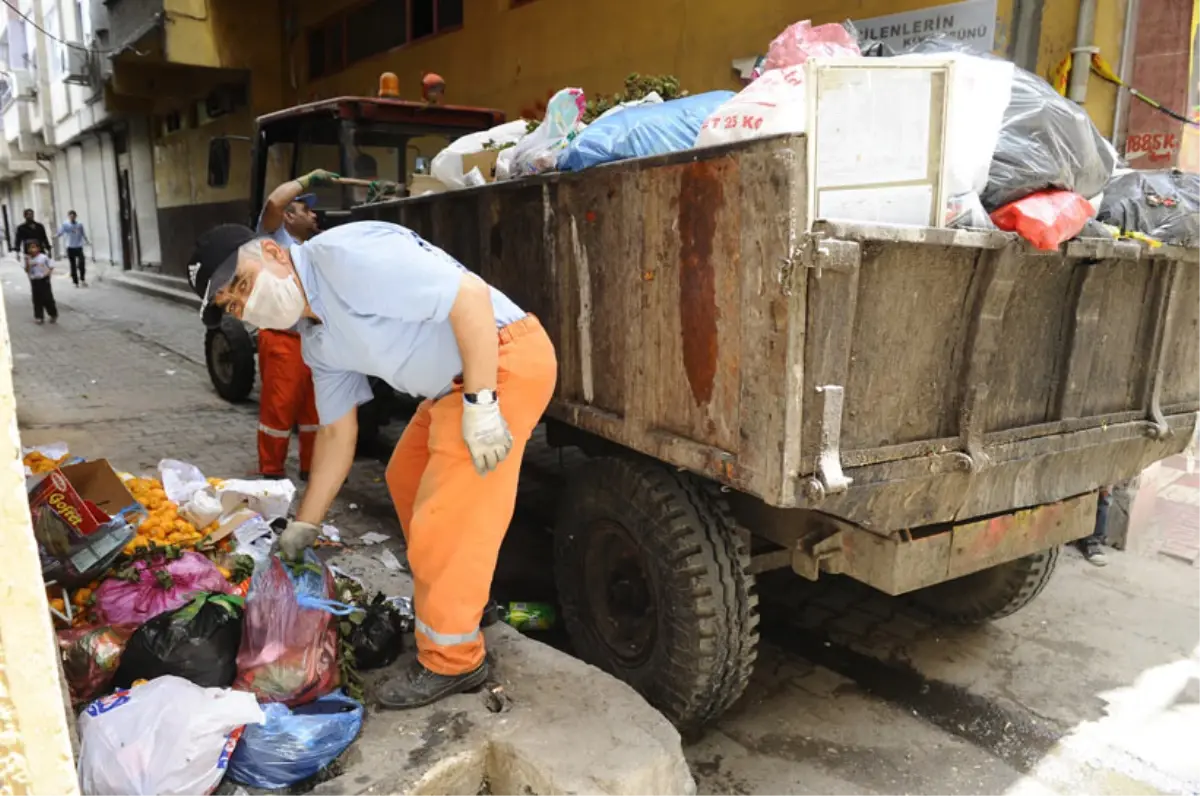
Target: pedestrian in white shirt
[39, 268]
[76, 237]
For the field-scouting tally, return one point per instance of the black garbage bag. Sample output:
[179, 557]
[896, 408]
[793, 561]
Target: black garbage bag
[1046, 141]
[377, 635]
[1162, 204]
[198, 642]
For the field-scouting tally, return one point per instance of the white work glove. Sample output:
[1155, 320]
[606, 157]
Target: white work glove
[296, 538]
[484, 431]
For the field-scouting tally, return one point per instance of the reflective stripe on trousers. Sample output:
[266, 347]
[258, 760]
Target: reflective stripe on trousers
[453, 519]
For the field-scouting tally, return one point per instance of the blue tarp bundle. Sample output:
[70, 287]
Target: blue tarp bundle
[641, 131]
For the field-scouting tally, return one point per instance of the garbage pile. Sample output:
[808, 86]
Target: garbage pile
[193, 651]
[1019, 156]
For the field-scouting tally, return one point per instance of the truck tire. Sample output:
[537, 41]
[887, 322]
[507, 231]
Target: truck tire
[229, 353]
[653, 585]
[991, 593]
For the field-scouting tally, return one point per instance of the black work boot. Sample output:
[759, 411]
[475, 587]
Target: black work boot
[416, 686]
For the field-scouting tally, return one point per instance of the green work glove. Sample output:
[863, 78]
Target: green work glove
[317, 178]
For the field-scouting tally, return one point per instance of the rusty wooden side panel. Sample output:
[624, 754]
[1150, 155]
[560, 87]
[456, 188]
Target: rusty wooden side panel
[694, 321]
[664, 286]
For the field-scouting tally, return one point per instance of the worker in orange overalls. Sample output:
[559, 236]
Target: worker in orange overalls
[287, 399]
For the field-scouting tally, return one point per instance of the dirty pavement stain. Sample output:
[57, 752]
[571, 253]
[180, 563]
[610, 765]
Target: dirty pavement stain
[701, 197]
[442, 728]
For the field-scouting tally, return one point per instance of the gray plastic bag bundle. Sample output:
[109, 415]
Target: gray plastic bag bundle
[1046, 141]
[1162, 204]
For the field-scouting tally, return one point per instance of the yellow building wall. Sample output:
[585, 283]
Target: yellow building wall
[513, 57]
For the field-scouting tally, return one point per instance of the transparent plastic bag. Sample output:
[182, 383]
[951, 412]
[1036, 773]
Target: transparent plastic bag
[165, 737]
[801, 41]
[538, 152]
[293, 744]
[180, 480]
[653, 129]
[1045, 142]
[289, 652]
[90, 658]
[1162, 204]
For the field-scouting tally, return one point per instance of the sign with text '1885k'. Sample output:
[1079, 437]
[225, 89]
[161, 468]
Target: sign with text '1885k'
[972, 22]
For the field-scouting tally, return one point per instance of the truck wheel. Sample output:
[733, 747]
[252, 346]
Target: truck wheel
[991, 593]
[652, 581]
[229, 353]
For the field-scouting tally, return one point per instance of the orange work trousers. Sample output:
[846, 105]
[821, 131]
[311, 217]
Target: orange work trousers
[287, 401]
[454, 519]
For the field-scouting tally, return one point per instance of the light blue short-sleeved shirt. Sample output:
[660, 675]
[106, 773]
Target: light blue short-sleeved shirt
[383, 295]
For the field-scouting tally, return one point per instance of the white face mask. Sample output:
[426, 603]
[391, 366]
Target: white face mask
[275, 302]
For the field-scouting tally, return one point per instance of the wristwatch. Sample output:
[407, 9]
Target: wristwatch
[481, 398]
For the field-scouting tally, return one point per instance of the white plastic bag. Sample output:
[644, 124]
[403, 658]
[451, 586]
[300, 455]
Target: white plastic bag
[981, 90]
[270, 498]
[773, 104]
[202, 507]
[252, 535]
[169, 736]
[504, 164]
[538, 151]
[180, 480]
[447, 165]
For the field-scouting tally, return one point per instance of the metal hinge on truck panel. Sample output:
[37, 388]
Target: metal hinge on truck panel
[1157, 422]
[829, 478]
[819, 253]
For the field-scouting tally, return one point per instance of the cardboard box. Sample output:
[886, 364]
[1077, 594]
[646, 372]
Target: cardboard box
[423, 184]
[72, 508]
[56, 494]
[485, 161]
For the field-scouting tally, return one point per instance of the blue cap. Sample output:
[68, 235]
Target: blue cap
[308, 199]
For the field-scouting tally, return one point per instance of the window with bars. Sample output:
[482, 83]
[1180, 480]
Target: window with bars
[374, 27]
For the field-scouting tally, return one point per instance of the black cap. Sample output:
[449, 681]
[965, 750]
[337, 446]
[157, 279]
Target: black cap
[213, 264]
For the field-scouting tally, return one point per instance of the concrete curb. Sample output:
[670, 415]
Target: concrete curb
[569, 728]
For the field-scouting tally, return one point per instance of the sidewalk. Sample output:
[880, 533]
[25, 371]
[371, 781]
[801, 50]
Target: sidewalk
[1165, 518]
[122, 376]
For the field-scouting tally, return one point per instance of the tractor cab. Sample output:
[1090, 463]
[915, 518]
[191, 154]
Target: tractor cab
[364, 139]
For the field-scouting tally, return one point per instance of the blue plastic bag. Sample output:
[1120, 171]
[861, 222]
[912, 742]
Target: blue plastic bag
[642, 131]
[295, 743]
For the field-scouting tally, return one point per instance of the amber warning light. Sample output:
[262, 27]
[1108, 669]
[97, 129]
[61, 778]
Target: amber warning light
[389, 85]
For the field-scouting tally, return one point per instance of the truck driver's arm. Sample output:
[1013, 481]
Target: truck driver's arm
[285, 194]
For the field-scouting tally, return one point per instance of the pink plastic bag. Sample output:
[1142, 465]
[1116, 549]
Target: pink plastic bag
[161, 586]
[802, 41]
[1046, 219]
[288, 652]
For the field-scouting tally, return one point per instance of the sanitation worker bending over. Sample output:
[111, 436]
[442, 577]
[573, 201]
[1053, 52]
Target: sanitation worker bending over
[374, 298]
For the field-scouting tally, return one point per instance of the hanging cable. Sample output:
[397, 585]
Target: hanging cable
[48, 34]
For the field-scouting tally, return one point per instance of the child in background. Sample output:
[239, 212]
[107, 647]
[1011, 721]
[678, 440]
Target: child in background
[39, 268]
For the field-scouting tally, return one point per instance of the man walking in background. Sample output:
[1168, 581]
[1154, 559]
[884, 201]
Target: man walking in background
[32, 230]
[76, 238]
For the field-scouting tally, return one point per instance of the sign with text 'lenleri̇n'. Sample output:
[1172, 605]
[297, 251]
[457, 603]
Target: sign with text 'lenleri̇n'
[972, 22]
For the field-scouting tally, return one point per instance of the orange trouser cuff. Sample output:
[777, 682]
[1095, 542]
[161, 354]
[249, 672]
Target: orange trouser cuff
[454, 519]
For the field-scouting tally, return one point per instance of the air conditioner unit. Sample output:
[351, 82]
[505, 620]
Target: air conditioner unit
[79, 68]
[24, 84]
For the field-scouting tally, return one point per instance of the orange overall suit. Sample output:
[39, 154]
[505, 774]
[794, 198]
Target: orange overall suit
[287, 401]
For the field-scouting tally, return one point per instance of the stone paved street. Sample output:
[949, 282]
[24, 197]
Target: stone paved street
[1090, 689]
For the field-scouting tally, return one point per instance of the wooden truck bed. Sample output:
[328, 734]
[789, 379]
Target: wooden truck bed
[894, 377]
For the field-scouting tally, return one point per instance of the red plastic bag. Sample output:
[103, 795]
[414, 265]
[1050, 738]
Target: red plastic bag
[1046, 219]
[90, 656]
[288, 653]
[161, 586]
[802, 41]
